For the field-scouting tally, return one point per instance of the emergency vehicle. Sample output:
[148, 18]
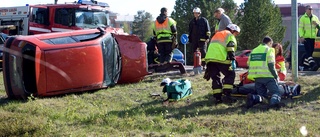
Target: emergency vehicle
[46, 18]
[94, 56]
[67, 62]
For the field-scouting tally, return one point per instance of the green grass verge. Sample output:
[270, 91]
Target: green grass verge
[128, 110]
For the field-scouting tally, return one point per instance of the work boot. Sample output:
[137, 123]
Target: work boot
[218, 98]
[277, 106]
[218, 101]
[229, 99]
[252, 100]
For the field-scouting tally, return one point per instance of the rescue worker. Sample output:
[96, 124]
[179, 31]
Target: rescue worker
[165, 32]
[280, 61]
[199, 34]
[308, 24]
[262, 70]
[223, 19]
[221, 58]
[223, 22]
[152, 51]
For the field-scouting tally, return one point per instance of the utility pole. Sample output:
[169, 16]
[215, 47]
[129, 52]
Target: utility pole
[55, 1]
[294, 40]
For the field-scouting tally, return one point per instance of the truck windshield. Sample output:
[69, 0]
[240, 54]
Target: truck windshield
[91, 19]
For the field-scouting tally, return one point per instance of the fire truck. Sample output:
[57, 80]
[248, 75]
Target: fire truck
[46, 18]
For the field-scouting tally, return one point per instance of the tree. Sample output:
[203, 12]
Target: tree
[257, 19]
[230, 8]
[142, 21]
[126, 27]
[183, 14]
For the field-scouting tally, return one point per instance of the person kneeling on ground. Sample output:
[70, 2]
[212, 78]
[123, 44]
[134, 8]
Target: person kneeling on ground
[262, 71]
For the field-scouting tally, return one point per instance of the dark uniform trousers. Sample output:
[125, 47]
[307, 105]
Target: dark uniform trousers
[226, 84]
[309, 46]
[165, 50]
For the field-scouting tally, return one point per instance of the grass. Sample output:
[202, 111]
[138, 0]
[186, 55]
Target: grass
[128, 110]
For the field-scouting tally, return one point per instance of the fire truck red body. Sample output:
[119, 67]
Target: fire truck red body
[37, 19]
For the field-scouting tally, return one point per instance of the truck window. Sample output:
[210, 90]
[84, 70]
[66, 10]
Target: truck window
[91, 19]
[39, 15]
[61, 40]
[64, 16]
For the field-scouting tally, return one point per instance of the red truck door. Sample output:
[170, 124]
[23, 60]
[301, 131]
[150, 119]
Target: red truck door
[39, 20]
[63, 19]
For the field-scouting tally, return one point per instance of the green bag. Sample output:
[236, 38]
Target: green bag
[178, 89]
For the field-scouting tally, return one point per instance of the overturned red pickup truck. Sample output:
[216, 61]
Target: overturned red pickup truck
[67, 62]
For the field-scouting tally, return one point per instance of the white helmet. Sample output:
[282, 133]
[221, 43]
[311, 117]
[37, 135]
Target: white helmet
[234, 27]
[165, 81]
[197, 10]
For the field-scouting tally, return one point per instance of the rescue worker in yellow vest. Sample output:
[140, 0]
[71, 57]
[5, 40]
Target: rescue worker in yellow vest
[221, 58]
[263, 72]
[165, 32]
[308, 25]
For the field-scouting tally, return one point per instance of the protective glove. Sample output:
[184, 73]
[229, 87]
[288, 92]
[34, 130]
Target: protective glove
[233, 65]
[206, 75]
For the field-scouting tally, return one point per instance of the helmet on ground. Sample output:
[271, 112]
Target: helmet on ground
[234, 27]
[197, 10]
[165, 81]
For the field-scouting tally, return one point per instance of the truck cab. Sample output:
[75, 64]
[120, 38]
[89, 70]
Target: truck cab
[46, 18]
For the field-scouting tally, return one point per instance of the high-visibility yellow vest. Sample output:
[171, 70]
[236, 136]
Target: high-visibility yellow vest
[218, 50]
[163, 30]
[280, 65]
[216, 28]
[259, 59]
[306, 27]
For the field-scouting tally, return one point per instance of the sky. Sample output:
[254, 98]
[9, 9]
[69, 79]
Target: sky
[125, 7]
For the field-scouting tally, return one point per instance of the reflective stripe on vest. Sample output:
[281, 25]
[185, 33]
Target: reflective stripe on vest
[259, 59]
[163, 30]
[217, 50]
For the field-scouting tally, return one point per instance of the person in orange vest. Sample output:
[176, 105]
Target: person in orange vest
[199, 34]
[280, 61]
[220, 58]
[165, 32]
